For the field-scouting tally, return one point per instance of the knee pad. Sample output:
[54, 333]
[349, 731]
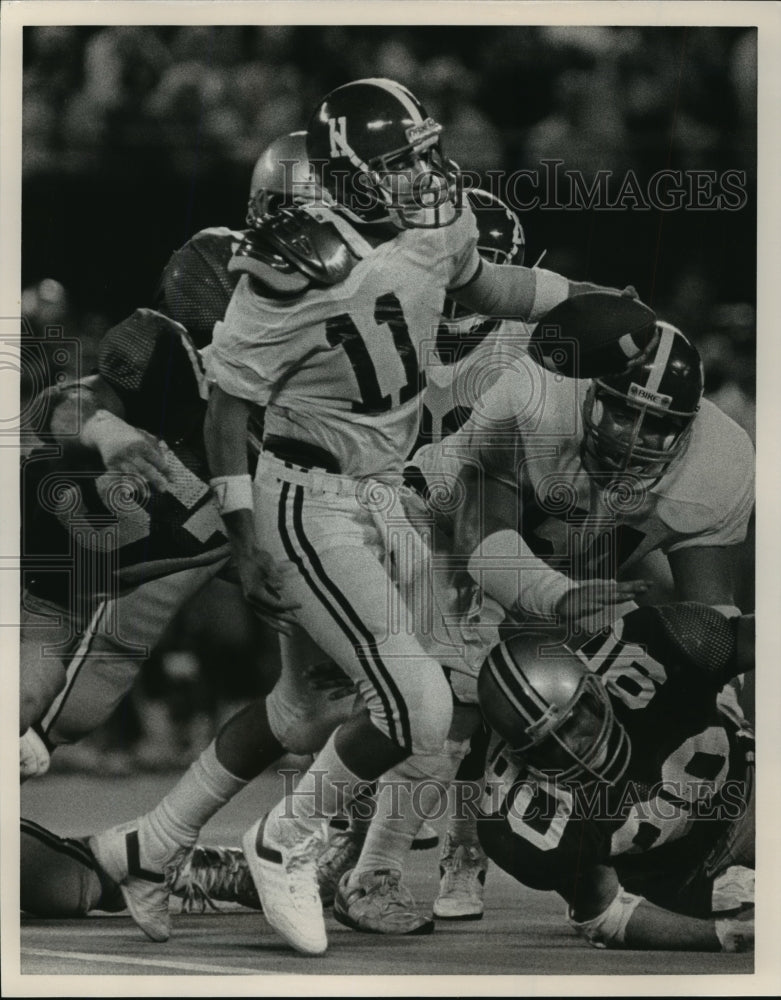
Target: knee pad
[304, 718]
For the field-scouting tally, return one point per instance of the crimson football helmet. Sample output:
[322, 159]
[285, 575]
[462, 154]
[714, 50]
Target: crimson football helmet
[641, 420]
[501, 240]
[377, 152]
[553, 712]
[281, 177]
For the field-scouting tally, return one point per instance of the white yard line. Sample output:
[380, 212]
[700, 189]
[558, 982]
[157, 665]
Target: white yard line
[158, 963]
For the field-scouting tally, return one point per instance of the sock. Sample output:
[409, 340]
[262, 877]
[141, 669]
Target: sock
[201, 791]
[414, 791]
[463, 829]
[323, 791]
[399, 816]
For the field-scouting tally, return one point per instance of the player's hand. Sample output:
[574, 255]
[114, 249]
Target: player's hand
[630, 292]
[134, 452]
[261, 585]
[597, 598]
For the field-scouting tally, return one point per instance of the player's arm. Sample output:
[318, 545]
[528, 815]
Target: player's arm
[225, 437]
[90, 413]
[705, 574]
[503, 565]
[609, 917]
[512, 292]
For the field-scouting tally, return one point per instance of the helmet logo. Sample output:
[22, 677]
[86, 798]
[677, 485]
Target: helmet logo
[423, 135]
[337, 134]
[647, 396]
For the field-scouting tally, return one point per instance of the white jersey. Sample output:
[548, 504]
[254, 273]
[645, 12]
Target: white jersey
[459, 379]
[343, 367]
[527, 431]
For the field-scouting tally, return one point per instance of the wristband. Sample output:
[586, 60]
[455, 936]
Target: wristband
[232, 493]
[505, 567]
[608, 930]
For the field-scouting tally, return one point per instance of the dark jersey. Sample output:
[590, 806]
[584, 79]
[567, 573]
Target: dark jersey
[685, 784]
[85, 529]
[195, 286]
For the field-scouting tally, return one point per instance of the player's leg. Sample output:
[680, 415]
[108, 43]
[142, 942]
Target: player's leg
[145, 855]
[103, 661]
[41, 671]
[372, 897]
[333, 556]
[59, 876]
[463, 864]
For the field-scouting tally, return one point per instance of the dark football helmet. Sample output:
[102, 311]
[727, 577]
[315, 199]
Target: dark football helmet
[641, 420]
[281, 177]
[553, 712]
[377, 152]
[501, 240]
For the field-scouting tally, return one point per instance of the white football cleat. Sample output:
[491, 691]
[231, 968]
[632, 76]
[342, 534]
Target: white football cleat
[284, 870]
[462, 868]
[145, 868]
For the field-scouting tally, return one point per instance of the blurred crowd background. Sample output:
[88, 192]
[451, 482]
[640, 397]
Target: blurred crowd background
[136, 137]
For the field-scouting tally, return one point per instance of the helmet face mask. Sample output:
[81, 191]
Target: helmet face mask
[638, 440]
[640, 422]
[585, 744]
[379, 156]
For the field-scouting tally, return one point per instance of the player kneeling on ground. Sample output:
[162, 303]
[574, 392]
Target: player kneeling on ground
[622, 778]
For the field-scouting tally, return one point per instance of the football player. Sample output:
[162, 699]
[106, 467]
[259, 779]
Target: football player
[120, 528]
[327, 329]
[620, 778]
[593, 477]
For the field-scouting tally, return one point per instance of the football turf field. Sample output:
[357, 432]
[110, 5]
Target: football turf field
[523, 932]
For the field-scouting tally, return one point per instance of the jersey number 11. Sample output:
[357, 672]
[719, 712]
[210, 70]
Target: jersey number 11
[341, 331]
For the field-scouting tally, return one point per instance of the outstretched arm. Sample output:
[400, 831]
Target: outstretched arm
[505, 567]
[512, 292]
[91, 414]
[609, 917]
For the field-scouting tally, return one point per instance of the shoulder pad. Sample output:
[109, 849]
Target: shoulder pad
[293, 242]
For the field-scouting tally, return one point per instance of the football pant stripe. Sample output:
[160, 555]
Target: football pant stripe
[338, 608]
[75, 850]
[73, 668]
[369, 641]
